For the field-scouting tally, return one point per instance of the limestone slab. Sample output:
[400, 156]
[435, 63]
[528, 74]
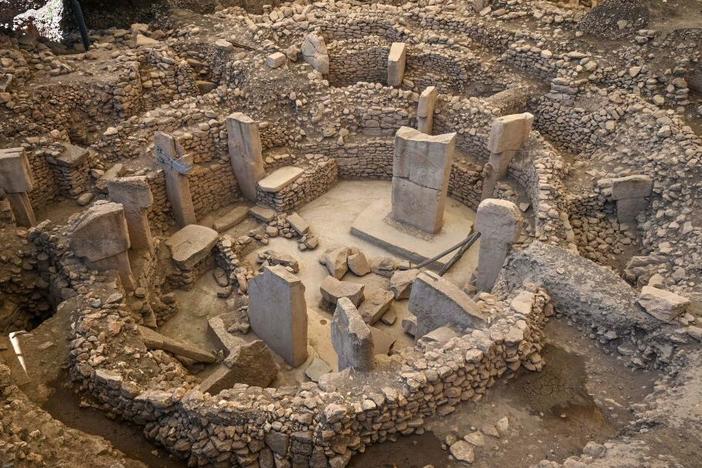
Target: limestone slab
[231, 218]
[351, 337]
[191, 244]
[279, 179]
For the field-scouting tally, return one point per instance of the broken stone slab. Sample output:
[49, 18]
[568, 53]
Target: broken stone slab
[278, 313]
[332, 290]
[191, 244]
[351, 337]
[401, 283]
[634, 186]
[279, 179]
[425, 110]
[317, 368]
[262, 213]
[134, 193]
[250, 364]
[101, 232]
[663, 305]
[298, 223]
[155, 340]
[397, 61]
[232, 218]
[383, 266]
[335, 260]
[409, 325]
[15, 172]
[279, 258]
[314, 51]
[437, 302]
[389, 317]
[218, 328]
[377, 301]
[509, 133]
[358, 263]
[276, 60]
[437, 337]
[382, 341]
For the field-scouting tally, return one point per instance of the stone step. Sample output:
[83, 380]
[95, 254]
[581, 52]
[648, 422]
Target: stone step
[279, 179]
[231, 218]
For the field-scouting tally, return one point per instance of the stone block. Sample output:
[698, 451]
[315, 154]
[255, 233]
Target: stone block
[510, 132]
[262, 213]
[358, 263]
[245, 152]
[397, 60]
[401, 283]
[499, 223]
[634, 186]
[314, 51]
[191, 244]
[376, 302]
[335, 260]
[250, 364]
[278, 313]
[436, 302]
[351, 337]
[663, 305]
[15, 172]
[134, 193]
[276, 60]
[155, 340]
[332, 290]
[231, 218]
[298, 223]
[279, 179]
[101, 232]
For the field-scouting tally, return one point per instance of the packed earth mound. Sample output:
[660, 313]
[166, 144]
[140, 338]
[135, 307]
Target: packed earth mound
[351, 233]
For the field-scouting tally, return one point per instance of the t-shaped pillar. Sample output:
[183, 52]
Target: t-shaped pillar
[176, 165]
[630, 193]
[100, 235]
[499, 223]
[245, 153]
[425, 110]
[134, 193]
[16, 180]
[508, 135]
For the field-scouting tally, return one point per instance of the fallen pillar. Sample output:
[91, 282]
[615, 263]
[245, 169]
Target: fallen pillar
[155, 340]
[499, 223]
[245, 153]
[16, 180]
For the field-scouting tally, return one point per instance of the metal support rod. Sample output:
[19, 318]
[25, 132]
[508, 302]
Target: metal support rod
[445, 252]
[78, 16]
[460, 253]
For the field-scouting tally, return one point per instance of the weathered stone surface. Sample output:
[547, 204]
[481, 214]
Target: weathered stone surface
[462, 451]
[298, 223]
[317, 368]
[377, 301]
[425, 110]
[332, 290]
[278, 313]
[401, 283]
[510, 132]
[421, 168]
[397, 60]
[358, 263]
[351, 337]
[276, 60]
[191, 244]
[15, 173]
[335, 260]
[634, 186]
[231, 218]
[436, 302]
[314, 51]
[250, 364]
[262, 213]
[279, 179]
[218, 328]
[245, 152]
[134, 193]
[101, 232]
[155, 340]
[499, 223]
[662, 304]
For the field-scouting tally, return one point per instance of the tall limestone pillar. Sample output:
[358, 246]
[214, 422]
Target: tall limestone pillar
[499, 223]
[425, 110]
[245, 153]
[176, 165]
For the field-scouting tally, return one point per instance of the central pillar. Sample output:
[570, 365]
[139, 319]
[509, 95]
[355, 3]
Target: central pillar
[16, 180]
[420, 177]
[245, 153]
[176, 165]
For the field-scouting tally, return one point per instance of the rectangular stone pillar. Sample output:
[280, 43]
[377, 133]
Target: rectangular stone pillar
[499, 223]
[278, 313]
[176, 165]
[134, 193]
[245, 153]
[420, 177]
[508, 135]
[101, 237]
[425, 110]
[16, 180]
[397, 60]
[631, 195]
[351, 337]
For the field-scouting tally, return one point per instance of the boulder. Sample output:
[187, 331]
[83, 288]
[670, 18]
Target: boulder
[377, 301]
[335, 261]
[332, 290]
[358, 263]
[663, 305]
[401, 283]
[250, 364]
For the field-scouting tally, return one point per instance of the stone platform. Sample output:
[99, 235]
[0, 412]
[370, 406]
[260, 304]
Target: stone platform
[374, 225]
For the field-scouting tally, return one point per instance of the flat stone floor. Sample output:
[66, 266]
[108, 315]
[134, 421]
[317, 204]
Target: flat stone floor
[330, 217]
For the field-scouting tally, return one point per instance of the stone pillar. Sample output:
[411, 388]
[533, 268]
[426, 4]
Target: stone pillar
[176, 165]
[351, 337]
[507, 136]
[16, 180]
[278, 313]
[420, 178]
[631, 195]
[100, 236]
[314, 51]
[245, 153]
[134, 193]
[425, 110]
[499, 223]
[397, 59]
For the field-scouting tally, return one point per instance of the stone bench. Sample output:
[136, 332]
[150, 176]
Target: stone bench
[279, 179]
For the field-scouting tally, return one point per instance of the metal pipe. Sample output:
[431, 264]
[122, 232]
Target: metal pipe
[78, 16]
[460, 253]
[445, 252]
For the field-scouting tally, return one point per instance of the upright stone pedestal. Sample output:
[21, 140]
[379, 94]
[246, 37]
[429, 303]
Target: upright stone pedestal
[631, 195]
[176, 165]
[245, 153]
[351, 337]
[508, 135]
[101, 236]
[134, 193]
[16, 180]
[397, 60]
[278, 313]
[425, 110]
[421, 169]
[499, 223]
